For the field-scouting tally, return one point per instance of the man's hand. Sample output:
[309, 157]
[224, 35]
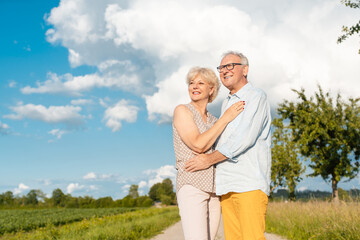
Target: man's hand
[197, 163]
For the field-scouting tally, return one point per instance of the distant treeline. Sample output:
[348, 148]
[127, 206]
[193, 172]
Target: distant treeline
[160, 192]
[323, 195]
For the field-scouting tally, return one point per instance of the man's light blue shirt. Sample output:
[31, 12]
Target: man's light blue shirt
[246, 142]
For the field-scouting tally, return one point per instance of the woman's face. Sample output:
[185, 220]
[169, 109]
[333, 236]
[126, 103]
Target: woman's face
[200, 89]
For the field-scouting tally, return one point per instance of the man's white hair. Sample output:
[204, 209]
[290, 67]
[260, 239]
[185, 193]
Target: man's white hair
[243, 58]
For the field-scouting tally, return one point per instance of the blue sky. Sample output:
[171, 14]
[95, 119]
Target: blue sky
[87, 88]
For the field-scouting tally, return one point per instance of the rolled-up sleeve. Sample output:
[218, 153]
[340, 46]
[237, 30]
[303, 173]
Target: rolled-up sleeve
[246, 128]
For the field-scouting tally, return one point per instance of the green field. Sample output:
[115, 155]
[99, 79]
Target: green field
[293, 220]
[314, 220]
[26, 220]
[86, 223]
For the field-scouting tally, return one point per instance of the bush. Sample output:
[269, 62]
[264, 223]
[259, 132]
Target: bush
[167, 200]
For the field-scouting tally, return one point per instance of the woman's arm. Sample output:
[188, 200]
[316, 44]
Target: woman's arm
[189, 133]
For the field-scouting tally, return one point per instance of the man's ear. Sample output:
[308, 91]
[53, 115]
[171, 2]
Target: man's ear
[246, 70]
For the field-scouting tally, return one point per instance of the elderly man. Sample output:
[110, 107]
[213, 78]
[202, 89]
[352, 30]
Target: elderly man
[242, 156]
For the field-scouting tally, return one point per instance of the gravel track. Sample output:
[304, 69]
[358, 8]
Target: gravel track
[175, 233]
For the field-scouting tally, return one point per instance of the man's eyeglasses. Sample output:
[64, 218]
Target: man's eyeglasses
[229, 66]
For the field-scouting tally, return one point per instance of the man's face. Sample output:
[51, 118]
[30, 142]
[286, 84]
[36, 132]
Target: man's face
[236, 78]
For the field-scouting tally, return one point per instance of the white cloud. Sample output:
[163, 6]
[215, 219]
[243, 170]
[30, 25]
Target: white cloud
[81, 101]
[302, 189]
[142, 184]
[53, 114]
[46, 182]
[4, 128]
[196, 24]
[163, 102]
[12, 84]
[74, 187]
[66, 84]
[107, 176]
[71, 20]
[126, 188]
[57, 132]
[74, 58]
[121, 111]
[27, 48]
[90, 175]
[139, 44]
[102, 177]
[4, 125]
[22, 187]
[104, 102]
[75, 85]
[158, 175]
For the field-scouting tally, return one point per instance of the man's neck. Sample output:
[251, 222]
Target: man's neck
[237, 88]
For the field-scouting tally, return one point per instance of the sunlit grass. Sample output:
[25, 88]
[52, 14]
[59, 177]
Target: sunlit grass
[141, 224]
[314, 220]
[14, 220]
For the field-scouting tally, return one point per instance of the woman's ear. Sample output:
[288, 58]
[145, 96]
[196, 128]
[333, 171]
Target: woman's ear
[212, 90]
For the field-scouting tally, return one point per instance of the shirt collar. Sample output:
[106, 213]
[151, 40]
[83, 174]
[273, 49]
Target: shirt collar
[241, 91]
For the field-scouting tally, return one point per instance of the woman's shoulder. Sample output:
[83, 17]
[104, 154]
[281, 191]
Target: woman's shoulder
[182, 109]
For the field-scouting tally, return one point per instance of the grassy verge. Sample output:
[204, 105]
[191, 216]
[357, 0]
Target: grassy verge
[15, 220]
[314, 220]
[140, 224]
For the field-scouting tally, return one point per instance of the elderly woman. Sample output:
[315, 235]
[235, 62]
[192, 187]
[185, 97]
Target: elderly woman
[195, 130]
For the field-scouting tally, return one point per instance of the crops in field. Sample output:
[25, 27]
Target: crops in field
[314, 220]
[138, 224]
[26, 220]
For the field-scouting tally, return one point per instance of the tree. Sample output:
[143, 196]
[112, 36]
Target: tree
[32, 198]
[72, 202]
[153, 193]
[165, 199]
[104, 202]
[128, 201]
[144, 201]
[133, 191]
[58, 198]
[8, 198]
[286, 167]
[343, 195]
[166, 192]
[85, 202]
[348, 31]
[41, 196]
[326, 132]
[165, 188]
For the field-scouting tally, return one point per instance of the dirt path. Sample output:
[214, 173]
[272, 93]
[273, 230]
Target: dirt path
[175, 233]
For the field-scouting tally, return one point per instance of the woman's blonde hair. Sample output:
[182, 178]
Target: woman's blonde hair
[208, 75]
